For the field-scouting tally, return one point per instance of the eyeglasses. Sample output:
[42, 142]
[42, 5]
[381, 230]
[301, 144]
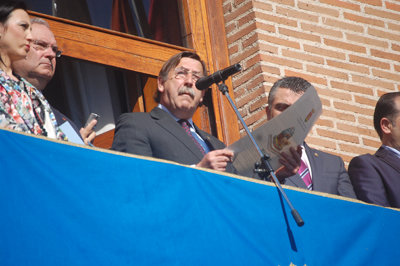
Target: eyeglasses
[41, 46]
[183, 73]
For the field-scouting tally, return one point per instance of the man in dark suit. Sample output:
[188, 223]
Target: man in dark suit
[306, 167]
[376, 178]
[168, 132]
[39, 66]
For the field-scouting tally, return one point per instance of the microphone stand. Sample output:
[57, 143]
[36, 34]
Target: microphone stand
[267, 168]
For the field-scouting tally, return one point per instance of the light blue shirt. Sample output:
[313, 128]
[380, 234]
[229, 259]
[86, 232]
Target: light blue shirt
[396, 152]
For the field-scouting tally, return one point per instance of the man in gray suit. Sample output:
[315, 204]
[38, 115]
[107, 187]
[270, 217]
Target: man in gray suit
[376, 178]
[306, 168]
[168, 132]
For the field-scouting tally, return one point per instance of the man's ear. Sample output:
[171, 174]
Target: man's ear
[268, 112]
[386, 125]
[160, 85]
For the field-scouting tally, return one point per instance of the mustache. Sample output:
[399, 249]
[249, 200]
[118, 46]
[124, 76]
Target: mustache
[186, 90]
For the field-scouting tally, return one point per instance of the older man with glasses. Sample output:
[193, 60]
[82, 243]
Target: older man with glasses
[39, 66]
[168, 132]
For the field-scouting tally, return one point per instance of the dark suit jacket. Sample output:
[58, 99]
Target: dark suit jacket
[328, 174]
[376, 178]
[157, 134]
[61, 119]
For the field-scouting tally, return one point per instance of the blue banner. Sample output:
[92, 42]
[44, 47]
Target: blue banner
[62, 204]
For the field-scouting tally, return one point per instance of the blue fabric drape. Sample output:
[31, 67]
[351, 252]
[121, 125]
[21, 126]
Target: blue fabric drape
[70, 205]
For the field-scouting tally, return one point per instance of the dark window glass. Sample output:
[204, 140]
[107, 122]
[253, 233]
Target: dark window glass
[153, 19]
[79, 88]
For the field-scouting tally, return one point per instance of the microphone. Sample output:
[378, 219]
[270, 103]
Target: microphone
[221, 75]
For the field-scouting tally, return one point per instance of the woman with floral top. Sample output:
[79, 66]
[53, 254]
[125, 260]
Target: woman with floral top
[22, 107]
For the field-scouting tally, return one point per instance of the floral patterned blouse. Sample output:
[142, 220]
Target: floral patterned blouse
[24, 108]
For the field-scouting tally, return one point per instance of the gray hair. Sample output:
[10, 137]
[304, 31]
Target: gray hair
[296, 84]
[40, 21]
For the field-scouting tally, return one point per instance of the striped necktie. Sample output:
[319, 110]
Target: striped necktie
[186, 126]
[304, 173]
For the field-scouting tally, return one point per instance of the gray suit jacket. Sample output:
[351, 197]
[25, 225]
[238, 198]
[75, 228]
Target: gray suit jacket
[328, 174]
[157, 134]
[376, 178]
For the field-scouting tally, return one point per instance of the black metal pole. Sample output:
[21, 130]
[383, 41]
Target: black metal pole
[264, 158]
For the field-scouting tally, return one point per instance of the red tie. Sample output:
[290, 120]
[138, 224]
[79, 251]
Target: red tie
[185, 124]
[304, 173]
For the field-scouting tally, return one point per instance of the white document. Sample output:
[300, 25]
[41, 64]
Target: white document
[71, 133]
[288, 129]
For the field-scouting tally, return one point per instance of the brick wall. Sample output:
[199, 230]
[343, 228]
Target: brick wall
[349, 50]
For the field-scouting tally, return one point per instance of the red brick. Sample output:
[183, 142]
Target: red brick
[245, 53]
[273, 59]
[342, 4]
[368, 61]
[261, 25]
[324, 52]
[272, 18]
[385, 55]
[348, 66]
[352, 88]
[365, 121]
[233, 49]
[395, 47]
[336, 135]
[374, 82]
[381, 14]
[241, 33]
[364, 19]
[248, 18]
[296, 13]
[352, 108]
[345, 45]
[299, 35]
[251, 61]
[279, 41]
[247, 76]
[302, 56]
[366, 40]
[319, 9]
[372, 143]
[310, 78]
[270, 69]
[392, 6]
[327, 143]
[372, 2]
[238, 11]
[384, 34]
[249, 97]
[387, 75]
[339, 115]
[324, 122]
[364, 100]
[332, 93]
[321, 30]
[355, 130]
[322, 70]
[268, 48]
[355, 149]
[255, 117]
[393, 26]
[337, 23]
[282, 2]
[262, 5]
[260, 103]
